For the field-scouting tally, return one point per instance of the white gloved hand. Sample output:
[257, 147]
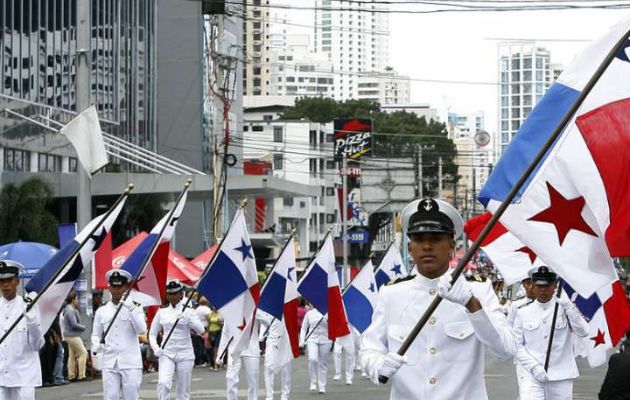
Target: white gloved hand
[387, 365]
[96, 348]
[129, 304]
[218, 362]
[157, 352]
[564, 301]
[31, 316]
[539, 374]
[459, 293]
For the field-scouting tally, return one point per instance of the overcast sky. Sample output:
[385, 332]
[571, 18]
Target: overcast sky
[462, 47]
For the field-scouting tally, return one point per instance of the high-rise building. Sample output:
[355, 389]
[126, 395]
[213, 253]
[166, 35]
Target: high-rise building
[39, 60]
[256, 60]
[384, 88]
[356, 41]
[525, 74]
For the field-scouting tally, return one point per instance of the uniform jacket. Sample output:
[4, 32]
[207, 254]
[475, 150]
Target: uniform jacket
[517, 304]
[310, 323]
[121, 343]
[532, 327]
[180, 343]
[446, 360]
[19, 353]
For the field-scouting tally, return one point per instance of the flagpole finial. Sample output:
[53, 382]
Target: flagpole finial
[129, 188]
[188, 182]
[293, 231]
[244, 203]
[330, 228]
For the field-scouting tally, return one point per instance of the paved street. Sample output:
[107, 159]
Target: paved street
[500, 381]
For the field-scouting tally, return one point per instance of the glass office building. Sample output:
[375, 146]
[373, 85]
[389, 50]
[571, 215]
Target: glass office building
[38, 60]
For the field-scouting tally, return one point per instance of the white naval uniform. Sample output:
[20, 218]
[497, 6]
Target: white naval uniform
[318, 346]
[178, 357]
[20, 370]
[349, 348]
[446, 360]
[122, 360]
[273, 329]
[249, 358]
[532, 327]
[514, 307]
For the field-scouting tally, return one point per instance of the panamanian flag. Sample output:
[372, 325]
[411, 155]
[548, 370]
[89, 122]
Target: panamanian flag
[390, 268]
[150, 286]
[279, 298]
[506, 251]
[69, 267]
[230, 284]
[573, 210]
[320, 286]
[360, 298]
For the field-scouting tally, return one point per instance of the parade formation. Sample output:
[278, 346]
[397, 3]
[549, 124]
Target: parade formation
[418, 321]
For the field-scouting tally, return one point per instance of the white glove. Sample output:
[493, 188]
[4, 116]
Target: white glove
[187, 316]
[157, 352]
[459, 293]
[95, 348]
[387, 365]
[302, 344]
[31, 315]
[539, 374]
[129, 304]
[564, 301]
[218, 362]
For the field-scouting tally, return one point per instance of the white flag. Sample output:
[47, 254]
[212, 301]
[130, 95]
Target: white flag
[84, 132]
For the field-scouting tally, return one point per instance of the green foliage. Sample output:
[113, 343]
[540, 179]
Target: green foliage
[24, 213]
[401, 133]
[142, 212]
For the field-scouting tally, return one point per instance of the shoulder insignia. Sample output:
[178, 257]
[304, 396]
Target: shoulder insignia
[27, 299]
[525, 304]
[395, 281]
[137, 304]
[476, 277]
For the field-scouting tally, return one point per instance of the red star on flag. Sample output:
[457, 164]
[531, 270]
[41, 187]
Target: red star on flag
[530, 253]
[565, 214]
[599, 338]
[243, 325]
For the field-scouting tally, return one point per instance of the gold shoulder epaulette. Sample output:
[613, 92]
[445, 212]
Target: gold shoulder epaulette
[395, 281]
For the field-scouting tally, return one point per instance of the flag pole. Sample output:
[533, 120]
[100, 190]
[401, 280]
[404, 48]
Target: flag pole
[150, 254]
[30, 305]
[553, 325]
[316, 253]
[510, 196]
[194, 288]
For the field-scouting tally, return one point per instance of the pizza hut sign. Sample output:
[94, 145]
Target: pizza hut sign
[353, 138]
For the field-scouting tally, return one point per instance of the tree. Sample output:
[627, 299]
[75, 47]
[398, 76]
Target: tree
[24, 213]
[142, 212]
[396, 135]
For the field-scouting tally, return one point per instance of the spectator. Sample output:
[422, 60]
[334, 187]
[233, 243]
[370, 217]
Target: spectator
[215, 326]
[48, 353]
[72, 328]
[616, 384]
[201, 356]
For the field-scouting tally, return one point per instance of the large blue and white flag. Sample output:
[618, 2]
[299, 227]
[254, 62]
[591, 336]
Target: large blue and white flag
[360, 298]
[67, 264]
[390, 268]
[153, 250]
[230, 283]
[279, 298]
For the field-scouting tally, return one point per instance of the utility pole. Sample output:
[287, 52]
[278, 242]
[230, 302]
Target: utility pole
[474, 192]
[344, 220]
[440, 177]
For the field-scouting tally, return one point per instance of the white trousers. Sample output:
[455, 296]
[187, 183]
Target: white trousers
[285, 381]
[17, 393]
[116, 380]
[182, 369]
[251, 371]
[318, 362]
[531, 389]
[337, 357]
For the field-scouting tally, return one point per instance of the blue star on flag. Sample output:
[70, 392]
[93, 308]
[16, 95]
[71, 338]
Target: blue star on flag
[622, 54]
[289, 274]
[371, 288]
[396, 269]
[244, 248]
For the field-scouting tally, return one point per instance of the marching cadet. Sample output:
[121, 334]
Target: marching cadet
[20, 371]
[349, 348]
[532, 327]
[446, 360]
[121, 358]
[315, 327]
[178, 357]
[249, 358]
[272, 328]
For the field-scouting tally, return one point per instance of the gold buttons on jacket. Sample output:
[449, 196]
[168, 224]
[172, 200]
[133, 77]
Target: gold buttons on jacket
[433, 381]
[432, 292]
[432, 321]
[432, 350]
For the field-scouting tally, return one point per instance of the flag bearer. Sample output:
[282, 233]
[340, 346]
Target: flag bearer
[532, 327]
[315, 327]
[20, 371]
[445, 361]
[349, 348]
[274, 333]
[248, 358]
[178, 357]
[121, 358]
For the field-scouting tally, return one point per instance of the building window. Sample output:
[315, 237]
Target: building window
[330, 191]
[72, 164]
[257, 128]
[330, 164]
[48, 163]
[278, 134]
[278, 161]
[17, 160]
[330, 218]
[287, 201]
[267, 117]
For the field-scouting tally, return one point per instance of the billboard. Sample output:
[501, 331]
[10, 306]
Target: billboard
[353, 138]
